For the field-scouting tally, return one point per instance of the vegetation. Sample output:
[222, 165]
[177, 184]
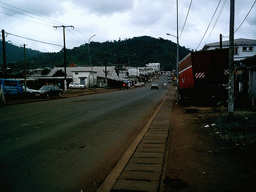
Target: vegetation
[136, 52]
[15, 54]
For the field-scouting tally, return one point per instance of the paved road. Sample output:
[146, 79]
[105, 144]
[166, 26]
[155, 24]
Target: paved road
[71, 144]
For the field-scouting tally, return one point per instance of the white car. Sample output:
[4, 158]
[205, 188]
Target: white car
[28, 90]
[74, 85]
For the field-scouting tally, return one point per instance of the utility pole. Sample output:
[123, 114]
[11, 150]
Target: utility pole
[4, 53]
[25, 63]
[231, 61]
[220, 41]
[106, 71]
[65, 65]
[177, 52]
[91, 62]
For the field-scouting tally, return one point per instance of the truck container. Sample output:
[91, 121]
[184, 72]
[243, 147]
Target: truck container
[203, 75]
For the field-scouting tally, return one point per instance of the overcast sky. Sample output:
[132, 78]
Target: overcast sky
[121, 19]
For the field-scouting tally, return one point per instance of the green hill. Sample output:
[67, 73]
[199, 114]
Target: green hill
[15, 54]
[136, 52]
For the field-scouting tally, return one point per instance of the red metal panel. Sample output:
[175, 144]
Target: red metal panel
[186, 78]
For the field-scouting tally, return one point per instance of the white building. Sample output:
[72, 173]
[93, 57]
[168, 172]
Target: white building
[155, 66]
[133, 71]
[87, 78]
[86, 74]
[243, 48]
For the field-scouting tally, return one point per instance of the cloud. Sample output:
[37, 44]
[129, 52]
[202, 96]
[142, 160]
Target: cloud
[104, 7]
[147, 13]
[111, 19]
[42, 8]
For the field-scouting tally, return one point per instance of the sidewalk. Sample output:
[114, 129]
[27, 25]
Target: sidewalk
[141, 168]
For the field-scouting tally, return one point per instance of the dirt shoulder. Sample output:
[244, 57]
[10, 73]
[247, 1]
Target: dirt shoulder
[206, 152]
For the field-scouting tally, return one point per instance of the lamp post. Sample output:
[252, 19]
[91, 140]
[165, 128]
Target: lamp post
[177, 58]
[90, 57]
[89, 49]
[177, 65]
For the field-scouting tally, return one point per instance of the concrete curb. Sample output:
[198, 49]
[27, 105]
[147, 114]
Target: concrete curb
[115, 173]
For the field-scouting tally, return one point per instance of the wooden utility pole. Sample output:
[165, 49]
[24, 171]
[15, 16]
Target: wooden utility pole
[177, 70]
[25, 63]
[231, 61]
[65, 65]
[220, 41]
[4, 53]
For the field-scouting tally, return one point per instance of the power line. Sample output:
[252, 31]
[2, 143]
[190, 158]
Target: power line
[47, 22]
[25, 19]
[40, 17]
[186, 17]
[34, 40]
[246, 16]
[216, 21]
[209, 24]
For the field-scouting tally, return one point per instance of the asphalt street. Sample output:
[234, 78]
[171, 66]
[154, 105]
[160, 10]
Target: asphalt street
[63, 144]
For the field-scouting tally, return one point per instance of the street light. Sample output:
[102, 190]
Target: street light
[90, 58]
[177, 58]
[177, 65]
[89, 49]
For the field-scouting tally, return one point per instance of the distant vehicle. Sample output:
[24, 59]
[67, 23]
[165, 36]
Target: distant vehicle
[164, 85]
[139, 84]
[154, 86]
[49, 91]
[74, 85]
[11, 86]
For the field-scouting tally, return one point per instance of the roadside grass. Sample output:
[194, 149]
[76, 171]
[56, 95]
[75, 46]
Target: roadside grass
[241, 130]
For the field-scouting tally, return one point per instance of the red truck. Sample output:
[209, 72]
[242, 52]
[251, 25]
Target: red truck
[203, 75]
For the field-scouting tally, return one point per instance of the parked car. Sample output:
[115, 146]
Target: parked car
[49, 91]
[154, 86]
[28, 90]
[74, 85]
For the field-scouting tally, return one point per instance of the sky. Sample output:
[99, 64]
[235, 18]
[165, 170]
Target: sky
[31, 22]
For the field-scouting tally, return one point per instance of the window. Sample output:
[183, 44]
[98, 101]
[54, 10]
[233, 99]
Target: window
[76, 73]
[10, 83]
[235, 50]
[246, 49]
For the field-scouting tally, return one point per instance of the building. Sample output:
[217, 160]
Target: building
[87, 78]
[86, 74]
[251, 66]
[155, 66]
[243, 48]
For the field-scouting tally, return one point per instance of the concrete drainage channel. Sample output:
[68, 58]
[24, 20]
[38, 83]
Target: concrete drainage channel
[141, 169]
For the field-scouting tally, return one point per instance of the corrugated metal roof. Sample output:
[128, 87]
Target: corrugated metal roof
[100, 70]
[240, 41]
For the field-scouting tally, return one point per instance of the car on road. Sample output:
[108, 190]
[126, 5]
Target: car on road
[154, 86]
[28, 90]
[74, 85]
[49, 91]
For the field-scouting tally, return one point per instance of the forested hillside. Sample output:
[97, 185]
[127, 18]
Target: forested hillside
[137, 51]
[15, 54]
